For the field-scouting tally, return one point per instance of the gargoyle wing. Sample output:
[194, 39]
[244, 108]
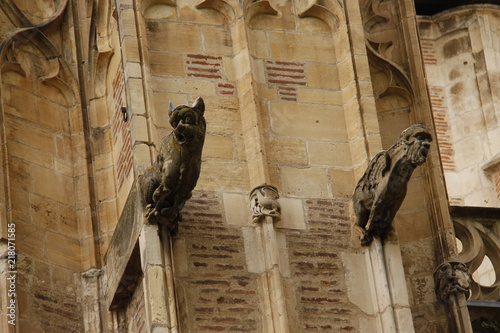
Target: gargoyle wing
[378, 167]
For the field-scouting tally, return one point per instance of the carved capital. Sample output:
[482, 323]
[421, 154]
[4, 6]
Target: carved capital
[451, 277]
[264, 202]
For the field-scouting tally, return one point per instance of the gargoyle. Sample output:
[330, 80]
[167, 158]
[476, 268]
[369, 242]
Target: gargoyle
[168, 183]
[382, 188]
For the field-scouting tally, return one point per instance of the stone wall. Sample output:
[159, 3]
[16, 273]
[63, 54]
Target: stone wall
[460, 55]
[46, 194]
[298, 94]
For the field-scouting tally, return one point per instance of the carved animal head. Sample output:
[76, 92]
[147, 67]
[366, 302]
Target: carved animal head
[188, 123]
[418, 140]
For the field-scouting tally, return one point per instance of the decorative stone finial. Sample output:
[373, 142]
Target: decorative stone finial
[451, 277]
[264, 202]
[168, 183]
[382, 189]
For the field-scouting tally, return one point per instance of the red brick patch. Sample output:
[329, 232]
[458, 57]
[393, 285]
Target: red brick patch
[440, 114]
[120, 129]
[286, 76]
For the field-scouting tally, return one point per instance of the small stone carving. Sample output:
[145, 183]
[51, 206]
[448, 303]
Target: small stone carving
[382, 189]
[452, 277]
[168, 183]
[264, 202]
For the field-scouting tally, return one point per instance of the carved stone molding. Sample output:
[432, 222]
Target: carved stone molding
[105, 22]
[29, 51]
[223, 7]
[382, 39]
[156, 9]
[451, 277]
[330, 14]
[254, 8]
[31, 54]
[264, 202]
[480, 240]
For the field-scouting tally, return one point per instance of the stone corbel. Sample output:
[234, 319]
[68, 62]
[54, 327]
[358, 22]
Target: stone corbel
[452, 277]
[266, 210]
[264, 202]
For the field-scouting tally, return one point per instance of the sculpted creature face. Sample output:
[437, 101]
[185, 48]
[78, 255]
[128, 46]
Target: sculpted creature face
[418, 138]
[188, 123]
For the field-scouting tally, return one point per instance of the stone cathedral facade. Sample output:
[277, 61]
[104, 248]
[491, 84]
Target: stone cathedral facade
[299, 95]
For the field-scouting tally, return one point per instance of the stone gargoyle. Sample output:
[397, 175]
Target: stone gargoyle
[382, 188]
[168, 183]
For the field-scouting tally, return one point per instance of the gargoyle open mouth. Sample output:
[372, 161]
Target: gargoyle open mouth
[181, 138]
[423, 153]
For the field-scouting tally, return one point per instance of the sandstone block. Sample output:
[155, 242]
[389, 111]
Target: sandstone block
[68, 223]
[237, 209]
[53, 185]
[44, 212]
[316, 96]
[217, 175]
[323, 76]
[166, 63]
[290, 151]
[105, 183]
[34, 241]
[139, 128]
[308, 183]
[183, 86]
[284, 45]
[343, 183]
[64, 251]
[321, 122]
[258, 38]
[130, 49]
[329, 153]
[34, 155]
[217, 40]
[218, 147]
[29, 134]
[167, 36]
[292, 215]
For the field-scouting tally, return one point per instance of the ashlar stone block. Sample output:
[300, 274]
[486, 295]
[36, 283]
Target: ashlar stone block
[308, 183]
[236, 209]
[284, 45]
[217, 146]
[329, 153]
[48, 183]
[318, 122]
[323, 76]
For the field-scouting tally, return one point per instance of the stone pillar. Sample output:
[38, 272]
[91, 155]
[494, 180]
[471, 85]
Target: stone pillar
[389, 291]
[266, 211]
[90, 300]
[161, 315]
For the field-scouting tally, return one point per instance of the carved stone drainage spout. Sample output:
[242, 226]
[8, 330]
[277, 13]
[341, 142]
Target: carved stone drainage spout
[382, 189]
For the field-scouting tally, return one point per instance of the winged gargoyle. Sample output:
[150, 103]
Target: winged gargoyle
[382, 188]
